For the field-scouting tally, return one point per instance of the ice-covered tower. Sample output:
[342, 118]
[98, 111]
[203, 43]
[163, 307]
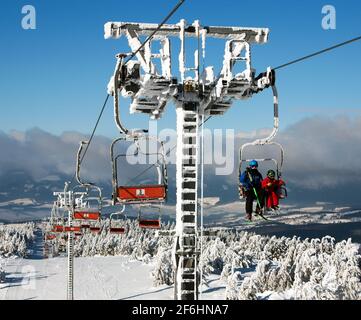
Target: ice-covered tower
[196, 94]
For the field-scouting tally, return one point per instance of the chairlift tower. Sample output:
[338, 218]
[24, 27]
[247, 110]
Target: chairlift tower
[196, 94]
[67, 200]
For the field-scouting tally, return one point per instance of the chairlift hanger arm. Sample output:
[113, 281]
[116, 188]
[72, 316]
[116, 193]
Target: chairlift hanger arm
[276, 122]
[118, 76]
[78, 163]
[87, 185]
[117, 213]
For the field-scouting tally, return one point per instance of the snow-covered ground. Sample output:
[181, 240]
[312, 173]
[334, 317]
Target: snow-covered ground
[122, 277]
[100, 278]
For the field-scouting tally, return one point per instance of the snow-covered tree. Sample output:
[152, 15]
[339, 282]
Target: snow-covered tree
[163, 272]
[2, 272]
[15, 239]
[250, 265]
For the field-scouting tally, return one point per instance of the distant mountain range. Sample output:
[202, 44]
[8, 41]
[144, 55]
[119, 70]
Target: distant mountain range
[22, 198]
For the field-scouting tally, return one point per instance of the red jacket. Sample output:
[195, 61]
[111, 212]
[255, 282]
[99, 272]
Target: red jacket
[271, 191]
[275, 184]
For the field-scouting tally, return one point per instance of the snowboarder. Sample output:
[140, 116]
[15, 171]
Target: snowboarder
[251, 188]
[271, 187]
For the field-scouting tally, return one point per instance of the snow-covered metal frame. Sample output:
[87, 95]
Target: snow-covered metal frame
[153, 90]
[195, 97]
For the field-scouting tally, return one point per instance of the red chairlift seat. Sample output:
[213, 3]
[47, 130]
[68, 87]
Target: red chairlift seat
[58, 228]
[95, 229]
[78, 234]
[86, 215]
[85, 226]
[117, 230]
[50, 237]
[149, 224]
[117, 226]
[72, 229]
[146, 193]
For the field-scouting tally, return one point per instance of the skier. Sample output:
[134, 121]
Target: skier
[251, 188]
[271, 187]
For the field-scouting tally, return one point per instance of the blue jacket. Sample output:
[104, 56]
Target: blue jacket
[256, 177]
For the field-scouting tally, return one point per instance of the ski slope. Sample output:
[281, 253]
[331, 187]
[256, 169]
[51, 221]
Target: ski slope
[96, 278]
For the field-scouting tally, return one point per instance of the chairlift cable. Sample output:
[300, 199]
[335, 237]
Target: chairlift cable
[310, 56]
[93, 133]
[318, 53]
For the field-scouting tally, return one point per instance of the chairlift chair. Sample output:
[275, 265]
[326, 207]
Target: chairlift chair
[139, 194]
[149, 223]
[87, 215]
[89, 204]
[132, 194]
[75, 229]
[50, 236]
[58, 228]
[116, 226]
[268, 141]
[95, 230]
[282, 191]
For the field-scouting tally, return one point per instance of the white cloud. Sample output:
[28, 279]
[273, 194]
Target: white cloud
[320, 154]
[323, 152]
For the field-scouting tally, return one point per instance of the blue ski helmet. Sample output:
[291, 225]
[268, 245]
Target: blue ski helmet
[253, 163]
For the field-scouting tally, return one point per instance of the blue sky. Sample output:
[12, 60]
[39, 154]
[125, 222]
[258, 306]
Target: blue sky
[55, 77]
